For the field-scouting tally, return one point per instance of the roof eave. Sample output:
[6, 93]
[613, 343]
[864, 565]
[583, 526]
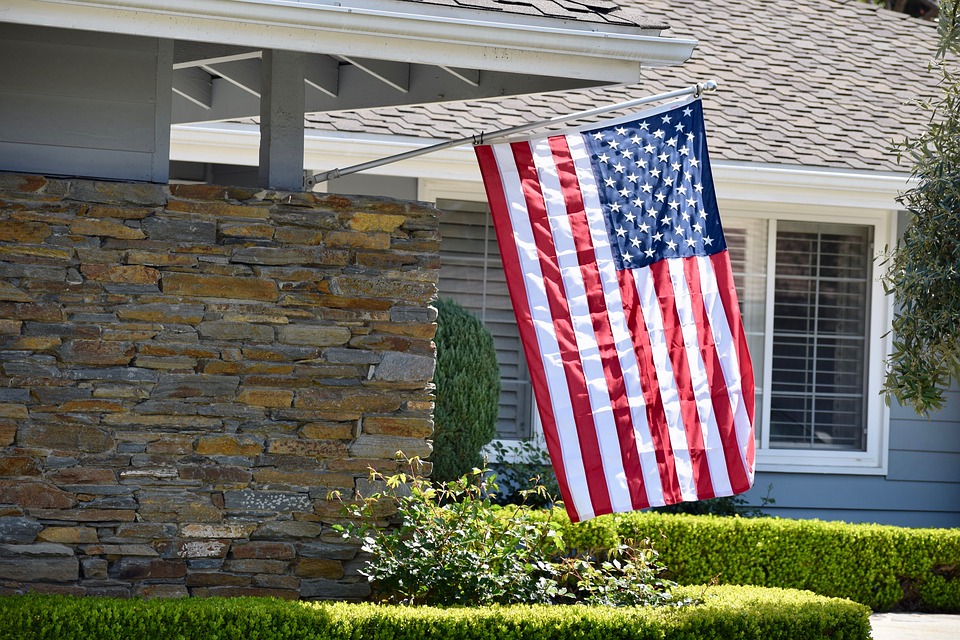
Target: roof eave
[451, 39]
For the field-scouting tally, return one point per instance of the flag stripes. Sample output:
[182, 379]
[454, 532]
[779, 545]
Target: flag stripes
[640, 375]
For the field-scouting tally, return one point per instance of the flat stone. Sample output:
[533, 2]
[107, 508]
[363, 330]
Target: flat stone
[337, 355]
[221, 530]
[285, 529]
[123, 274]
[229, 445]
[25, 232]
[213, 286]
[195, 386]
[269, 398]
[314, 335]
[105, 228]
[94, 568]
[53, 569]
[86, 515]
[31, 495]
[388, 447]
[220, 330]
[116, 192]
[303, 478]
[113, 374]
[190, 314]
[178, 230]
[318, 568]
[18, 466]
[274, 501]
[361, 221]
[140, 569]
[277, 256]
[264, 550]
[12, 293]
[410, 427]
[405, 367]
[304, 447]
[19, 530]
[65, 437]
[221, 209]
[38, 549]
[69, 535]
[256, 566]
[344, 400]
[202, 548]
[161, 591]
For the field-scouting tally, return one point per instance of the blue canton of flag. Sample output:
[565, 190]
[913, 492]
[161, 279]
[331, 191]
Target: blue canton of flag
[655, 187]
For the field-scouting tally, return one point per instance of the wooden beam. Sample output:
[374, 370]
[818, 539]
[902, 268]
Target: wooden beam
[470, 76]
[393, 73]
[323, 74]
[195, 85]
[243, 73]
[194, 54]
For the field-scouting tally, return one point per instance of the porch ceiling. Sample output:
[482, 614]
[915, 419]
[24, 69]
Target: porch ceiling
[369, 53]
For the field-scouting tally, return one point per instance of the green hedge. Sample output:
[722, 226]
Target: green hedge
[882, 567]
[732, 613]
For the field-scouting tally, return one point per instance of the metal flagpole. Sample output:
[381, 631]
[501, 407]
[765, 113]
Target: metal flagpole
[708, 86]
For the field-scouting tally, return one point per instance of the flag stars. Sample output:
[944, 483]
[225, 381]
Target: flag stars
[672, 142]
[684, 151]
[691, 202]
[688, 112]
[615, 207]
[649, 253]
[604, 158]
[674, 204]
[682, 190]
[598, 135]
[621, 131]
[636, 140]
[694, 163]
[698, 187]
[610, 182]
[635, 242]
[666, 119]
[638, 202]
[646, 187]
[691, 242]
[676, 166]
[658, 236]
[660, 197]
[697, 228]
[649, 148]
[619, 168]
[633, 178]
[630, 217]
[672, 245]
[645, 126]
[668, 182]
[679, 127]
[663, 157]
[707, 240]
[665, 220]
[621, 232]
[644, 228]
[659, 133]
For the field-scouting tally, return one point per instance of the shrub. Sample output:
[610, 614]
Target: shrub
[452, 546]
[468, 391]
[732, 613]
[882, 567]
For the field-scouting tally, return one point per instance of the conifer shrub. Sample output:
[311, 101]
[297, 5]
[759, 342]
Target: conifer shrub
[468, 391]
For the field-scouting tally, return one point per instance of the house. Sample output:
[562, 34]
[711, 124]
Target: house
[811, 96]
[191, 373]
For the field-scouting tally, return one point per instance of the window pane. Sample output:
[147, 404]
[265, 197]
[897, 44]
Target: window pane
[471, 274]
[821, 297]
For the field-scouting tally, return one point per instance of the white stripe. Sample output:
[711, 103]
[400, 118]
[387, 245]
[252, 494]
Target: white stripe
[668, 386]
[729, 360]
[579, 309]
[549, 348]
[710, 430]
[618, 321]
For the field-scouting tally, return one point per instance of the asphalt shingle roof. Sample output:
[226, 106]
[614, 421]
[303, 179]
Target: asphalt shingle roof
[802, 82]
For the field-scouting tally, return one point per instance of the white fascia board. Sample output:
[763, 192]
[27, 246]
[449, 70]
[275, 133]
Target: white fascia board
[452, 38]
[737, 182]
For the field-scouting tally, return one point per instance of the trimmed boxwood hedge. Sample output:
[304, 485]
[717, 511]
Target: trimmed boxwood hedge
[883, 567]
[732, 613]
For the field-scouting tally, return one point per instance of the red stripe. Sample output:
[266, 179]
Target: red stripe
[728, 295]
[596, 301]
[521, 307]
[656, 417]
[719, 394]
[563, 327]
[666, 296]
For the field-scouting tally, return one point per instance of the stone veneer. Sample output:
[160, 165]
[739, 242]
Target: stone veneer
[187, 371]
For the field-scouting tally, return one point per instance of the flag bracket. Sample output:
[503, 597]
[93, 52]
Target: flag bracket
[697, 90]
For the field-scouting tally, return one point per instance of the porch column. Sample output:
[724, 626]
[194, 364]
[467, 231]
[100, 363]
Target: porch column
[281, 120]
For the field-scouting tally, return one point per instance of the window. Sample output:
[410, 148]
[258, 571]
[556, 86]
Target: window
[470, 273]
[813, 317]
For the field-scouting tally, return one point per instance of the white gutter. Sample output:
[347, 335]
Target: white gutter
[452, 38]
[737, 182]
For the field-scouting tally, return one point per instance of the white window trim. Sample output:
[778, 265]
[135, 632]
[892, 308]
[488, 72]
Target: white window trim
[820, 208]
[873, 460]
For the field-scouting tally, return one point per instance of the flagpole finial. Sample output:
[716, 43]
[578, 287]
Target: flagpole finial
[707, 86]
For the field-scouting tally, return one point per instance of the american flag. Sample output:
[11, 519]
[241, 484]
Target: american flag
[624, 296]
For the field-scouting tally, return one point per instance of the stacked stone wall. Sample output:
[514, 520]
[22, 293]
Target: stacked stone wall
[188, 371]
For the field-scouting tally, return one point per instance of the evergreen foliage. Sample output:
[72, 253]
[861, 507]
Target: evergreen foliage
[468, 391]
[924, 269]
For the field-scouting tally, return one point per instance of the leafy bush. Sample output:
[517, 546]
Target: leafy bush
[468, 391]
[882, 567]
[452, 546]
[732, 613]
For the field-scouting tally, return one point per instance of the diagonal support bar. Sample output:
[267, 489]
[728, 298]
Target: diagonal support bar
[708, 86]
